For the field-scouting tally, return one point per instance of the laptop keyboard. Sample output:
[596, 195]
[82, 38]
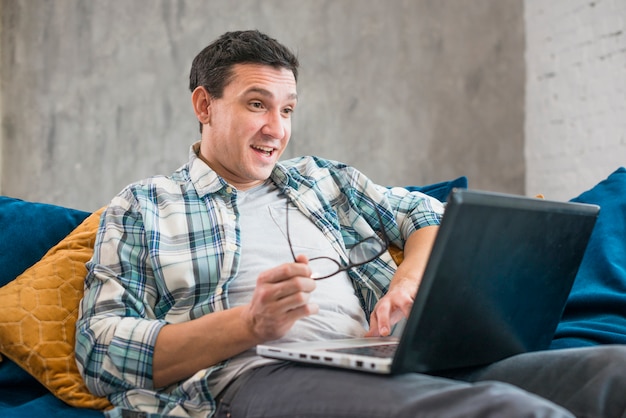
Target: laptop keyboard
[382, 350]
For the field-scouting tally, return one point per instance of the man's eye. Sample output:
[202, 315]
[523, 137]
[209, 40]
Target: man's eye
[257, 105]
[288, 111]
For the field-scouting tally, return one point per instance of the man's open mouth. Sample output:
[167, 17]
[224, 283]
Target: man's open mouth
[264, 150]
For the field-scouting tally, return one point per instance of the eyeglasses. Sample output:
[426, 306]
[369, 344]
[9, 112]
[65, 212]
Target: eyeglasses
[361, 253]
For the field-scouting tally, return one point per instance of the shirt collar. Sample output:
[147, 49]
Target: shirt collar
[203, 178]
[206, 181]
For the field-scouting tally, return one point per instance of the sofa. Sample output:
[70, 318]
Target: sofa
[43, 249]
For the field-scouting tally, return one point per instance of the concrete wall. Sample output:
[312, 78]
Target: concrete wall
[94, 92]
[575, 94]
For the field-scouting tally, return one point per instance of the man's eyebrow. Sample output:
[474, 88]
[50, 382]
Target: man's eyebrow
[267, 93]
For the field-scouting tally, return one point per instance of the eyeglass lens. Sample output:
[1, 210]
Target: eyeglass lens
[363, 252]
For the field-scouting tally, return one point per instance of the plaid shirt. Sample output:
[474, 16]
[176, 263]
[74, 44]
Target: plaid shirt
[168, 248]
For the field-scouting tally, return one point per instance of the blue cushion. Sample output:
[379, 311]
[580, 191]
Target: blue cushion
[596, 309]
[22, 396]
[440, 191]
[28, 230]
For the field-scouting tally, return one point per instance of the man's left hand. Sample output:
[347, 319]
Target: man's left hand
[390, 310]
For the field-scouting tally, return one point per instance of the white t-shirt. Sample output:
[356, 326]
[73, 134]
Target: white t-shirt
[264, 245]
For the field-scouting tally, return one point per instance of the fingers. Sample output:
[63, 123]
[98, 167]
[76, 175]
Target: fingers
[380, 324]
[281, 297]
[286, 271]
[389, 310]
[373, 331]
[302, 259]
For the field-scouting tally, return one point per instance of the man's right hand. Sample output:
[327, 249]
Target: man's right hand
[281, 298]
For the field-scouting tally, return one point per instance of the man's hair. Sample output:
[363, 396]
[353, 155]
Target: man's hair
[212, 68]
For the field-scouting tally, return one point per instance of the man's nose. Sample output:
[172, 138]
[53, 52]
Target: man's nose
[275, 125]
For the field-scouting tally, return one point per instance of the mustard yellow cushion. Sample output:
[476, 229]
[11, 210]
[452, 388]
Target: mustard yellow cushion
[397, 254]
[38, 315]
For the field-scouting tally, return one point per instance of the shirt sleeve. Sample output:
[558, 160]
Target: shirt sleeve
[117, 328]
[412, 210]
[403, 211]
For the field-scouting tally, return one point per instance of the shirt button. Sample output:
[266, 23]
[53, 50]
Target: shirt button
[229, 190]
[232, 247]
[219, 291]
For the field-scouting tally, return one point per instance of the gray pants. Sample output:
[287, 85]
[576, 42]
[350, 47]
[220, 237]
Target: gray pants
[589, 382]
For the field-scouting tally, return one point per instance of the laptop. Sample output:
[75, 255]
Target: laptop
[495, 285]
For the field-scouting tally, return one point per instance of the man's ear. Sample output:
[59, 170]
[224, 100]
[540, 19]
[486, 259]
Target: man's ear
[201, 101]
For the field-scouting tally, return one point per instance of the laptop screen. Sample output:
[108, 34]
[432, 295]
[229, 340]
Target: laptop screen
[497, 280]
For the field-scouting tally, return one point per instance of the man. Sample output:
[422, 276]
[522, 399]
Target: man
[190, 272]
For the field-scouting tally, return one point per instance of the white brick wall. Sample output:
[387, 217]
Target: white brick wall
[575, 94]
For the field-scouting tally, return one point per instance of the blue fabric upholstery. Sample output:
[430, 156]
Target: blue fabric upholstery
[440, 191]
[28, 230]
[596, 308]
[22, 396]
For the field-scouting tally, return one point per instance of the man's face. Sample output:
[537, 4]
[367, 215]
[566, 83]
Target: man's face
[249, 127]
